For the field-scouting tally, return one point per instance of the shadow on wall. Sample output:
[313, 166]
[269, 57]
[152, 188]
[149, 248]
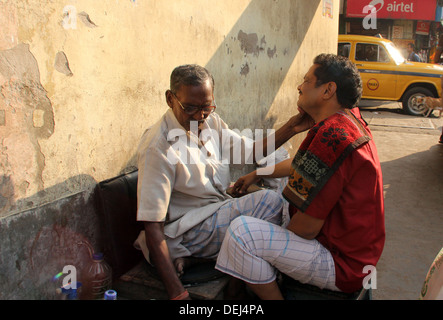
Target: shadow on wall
[265, 59]
[36, 244]
[10, 206]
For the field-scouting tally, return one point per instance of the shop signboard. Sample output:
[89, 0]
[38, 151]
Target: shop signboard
[423, 27]
[394, 9]
[397, 32]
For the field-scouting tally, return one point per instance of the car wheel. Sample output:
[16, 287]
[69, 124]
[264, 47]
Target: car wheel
[412, 103]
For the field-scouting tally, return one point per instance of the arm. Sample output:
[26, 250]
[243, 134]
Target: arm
[280, 170]
[159, 253]
[305, 226]
[297, 124]
[156, 177]
[309, 223]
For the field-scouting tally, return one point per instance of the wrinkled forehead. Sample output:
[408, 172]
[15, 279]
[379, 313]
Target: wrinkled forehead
[196, 93]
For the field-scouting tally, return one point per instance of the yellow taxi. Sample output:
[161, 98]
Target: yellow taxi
[386, 75]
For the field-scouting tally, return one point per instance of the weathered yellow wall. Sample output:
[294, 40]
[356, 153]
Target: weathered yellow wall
[65, 127]
[62, 130]
[87, 126]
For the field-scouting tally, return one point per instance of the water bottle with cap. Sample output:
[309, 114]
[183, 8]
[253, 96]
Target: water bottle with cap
[99, 278]
[110, 295]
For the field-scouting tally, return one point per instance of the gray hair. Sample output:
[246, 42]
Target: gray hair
[189, 75]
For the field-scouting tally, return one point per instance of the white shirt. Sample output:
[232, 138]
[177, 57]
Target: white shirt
[181, 180]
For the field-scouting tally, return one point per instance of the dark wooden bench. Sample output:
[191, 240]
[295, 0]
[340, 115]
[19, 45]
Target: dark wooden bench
[135, 278]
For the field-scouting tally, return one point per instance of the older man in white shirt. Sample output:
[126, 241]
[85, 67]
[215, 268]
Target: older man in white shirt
[184, 172]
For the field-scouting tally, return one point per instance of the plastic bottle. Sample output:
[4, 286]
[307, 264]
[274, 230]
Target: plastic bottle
[69, 292]
[110, 295]
[98, 278]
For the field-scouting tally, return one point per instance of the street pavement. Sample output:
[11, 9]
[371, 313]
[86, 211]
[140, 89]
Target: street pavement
[412, 164]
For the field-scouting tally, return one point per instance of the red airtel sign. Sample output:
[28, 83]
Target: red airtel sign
[394, 9]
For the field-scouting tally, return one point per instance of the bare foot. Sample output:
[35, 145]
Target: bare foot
[181, 264]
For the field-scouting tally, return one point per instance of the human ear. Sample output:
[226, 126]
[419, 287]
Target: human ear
[330, 90]
[168, 95]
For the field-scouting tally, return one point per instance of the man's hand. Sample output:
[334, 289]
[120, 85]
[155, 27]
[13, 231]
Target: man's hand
[242, 184]
[298, 123]
[301, 122]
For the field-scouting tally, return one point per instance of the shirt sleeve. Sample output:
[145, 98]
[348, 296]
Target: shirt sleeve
[155, 182]
[334, 189]
[326, 199]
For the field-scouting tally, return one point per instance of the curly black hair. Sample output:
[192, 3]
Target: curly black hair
[344, 73]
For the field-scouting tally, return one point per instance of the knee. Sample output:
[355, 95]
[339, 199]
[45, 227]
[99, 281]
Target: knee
[247, 233]
[237, 225]
[238, 228]
[274, 198]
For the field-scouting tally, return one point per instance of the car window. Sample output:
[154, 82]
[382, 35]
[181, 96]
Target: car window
[395, 53]
[344, 49]
[371, 52]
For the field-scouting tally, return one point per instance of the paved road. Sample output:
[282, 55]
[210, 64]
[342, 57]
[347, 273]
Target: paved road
[412, 164]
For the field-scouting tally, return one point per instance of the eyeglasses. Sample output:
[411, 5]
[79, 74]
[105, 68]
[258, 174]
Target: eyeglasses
[191, 110]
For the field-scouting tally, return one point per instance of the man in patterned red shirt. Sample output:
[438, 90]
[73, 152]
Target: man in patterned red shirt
[335, 191]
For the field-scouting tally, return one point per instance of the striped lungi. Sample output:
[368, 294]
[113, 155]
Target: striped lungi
[253, 250]
[205, 239]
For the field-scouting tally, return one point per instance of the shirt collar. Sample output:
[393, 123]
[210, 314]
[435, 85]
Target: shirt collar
[175, 129]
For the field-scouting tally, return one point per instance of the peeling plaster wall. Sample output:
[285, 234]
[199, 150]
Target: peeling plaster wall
[81, 80]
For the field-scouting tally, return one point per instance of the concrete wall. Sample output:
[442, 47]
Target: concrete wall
[81, 80]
